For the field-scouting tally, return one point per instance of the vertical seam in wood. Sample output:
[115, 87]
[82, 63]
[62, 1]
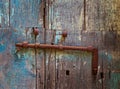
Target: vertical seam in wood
[9, 11]
[84, 15]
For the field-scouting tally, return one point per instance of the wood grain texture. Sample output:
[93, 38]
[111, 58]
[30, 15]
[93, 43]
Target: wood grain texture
[24, 13]
[59, 69]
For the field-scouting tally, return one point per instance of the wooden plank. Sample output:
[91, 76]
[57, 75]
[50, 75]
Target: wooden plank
[40, 69]
[50, 69]
[24, 13]
[62, 16]
[21, 73]
[74, 71]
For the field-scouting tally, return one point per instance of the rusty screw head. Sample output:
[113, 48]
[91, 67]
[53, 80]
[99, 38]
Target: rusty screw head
[64, 34]
[35, 31]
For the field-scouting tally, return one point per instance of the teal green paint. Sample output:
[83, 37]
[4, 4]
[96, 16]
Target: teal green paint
[58, 37]
[2, 48]
[109, 57]
[18, 73]
[106, 56]
[115, 81]
[75, 55]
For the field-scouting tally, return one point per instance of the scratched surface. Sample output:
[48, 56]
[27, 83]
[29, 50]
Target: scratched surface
[4, 13]
[58, 69]
[24, 13]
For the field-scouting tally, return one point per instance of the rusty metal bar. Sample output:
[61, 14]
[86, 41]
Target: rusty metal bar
[47, 46]
[60, 47]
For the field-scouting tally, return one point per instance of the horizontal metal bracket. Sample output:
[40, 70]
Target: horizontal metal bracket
[93, 50]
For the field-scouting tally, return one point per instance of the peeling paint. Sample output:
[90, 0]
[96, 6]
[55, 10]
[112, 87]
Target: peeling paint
[2, 47]
[17, 68]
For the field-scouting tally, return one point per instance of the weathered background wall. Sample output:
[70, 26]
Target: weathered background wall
[96, 25]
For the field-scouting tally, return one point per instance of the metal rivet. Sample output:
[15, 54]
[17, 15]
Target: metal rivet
[35, 31]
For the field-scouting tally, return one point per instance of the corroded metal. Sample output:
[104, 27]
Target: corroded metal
[61, 47]
[35, 31]
[46, 46]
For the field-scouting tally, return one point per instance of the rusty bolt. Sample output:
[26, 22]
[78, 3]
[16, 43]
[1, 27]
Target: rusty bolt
[64, 34]
[35, 31]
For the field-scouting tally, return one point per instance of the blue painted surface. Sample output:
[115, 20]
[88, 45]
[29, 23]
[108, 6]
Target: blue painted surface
[4, 13]
[18, 75]
[25, 13]
[58, 37]
[19, 72]
[16, 69]
[2, 47]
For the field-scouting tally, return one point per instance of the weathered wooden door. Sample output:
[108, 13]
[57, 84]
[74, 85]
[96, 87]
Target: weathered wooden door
[87, 23]
[64, 69]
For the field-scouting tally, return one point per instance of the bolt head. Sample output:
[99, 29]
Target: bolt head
[35, 31]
